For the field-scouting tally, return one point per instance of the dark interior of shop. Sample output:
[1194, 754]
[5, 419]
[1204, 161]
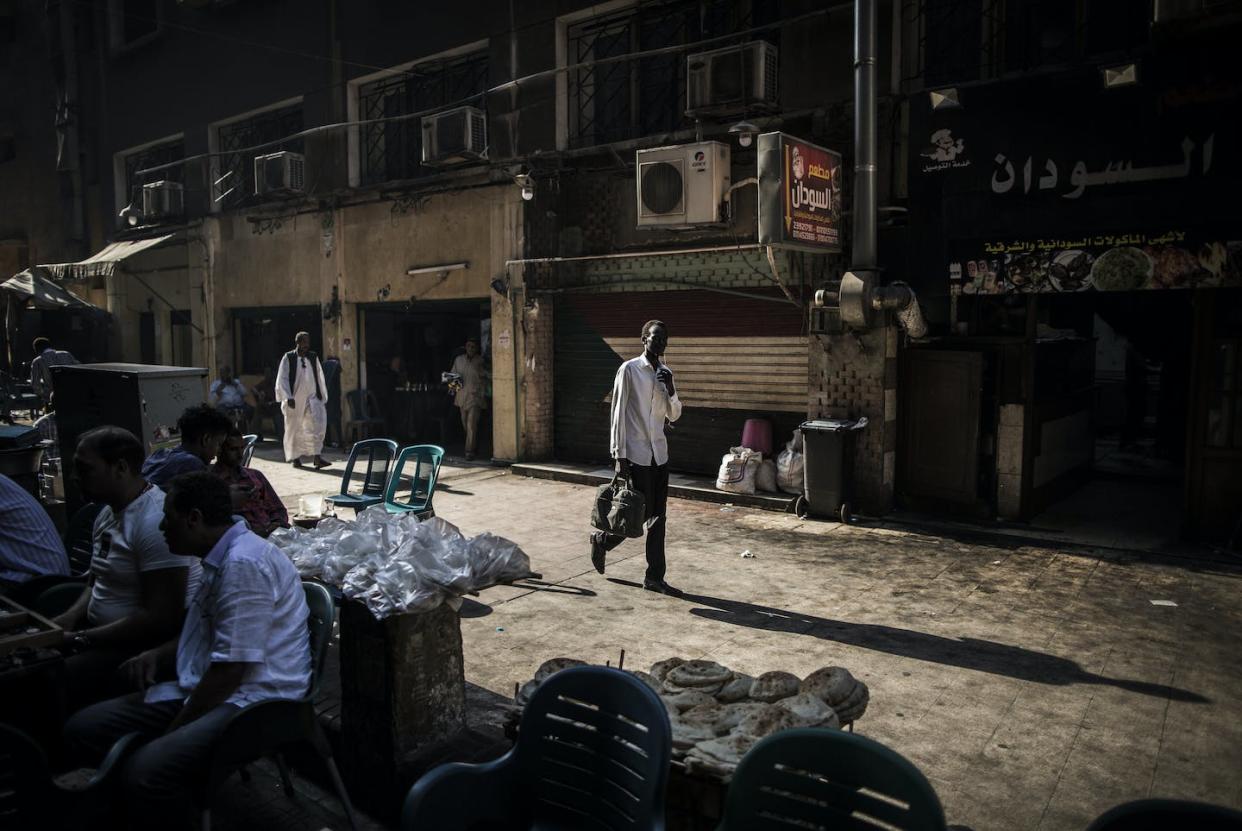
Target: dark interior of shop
[408, 347]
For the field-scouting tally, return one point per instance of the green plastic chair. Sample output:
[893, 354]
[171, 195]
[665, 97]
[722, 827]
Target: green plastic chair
[821, 778]
[426, 459]
[1159, 814]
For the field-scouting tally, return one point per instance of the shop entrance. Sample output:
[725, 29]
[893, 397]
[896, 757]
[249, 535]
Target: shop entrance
[1112, 400]
[407, 348]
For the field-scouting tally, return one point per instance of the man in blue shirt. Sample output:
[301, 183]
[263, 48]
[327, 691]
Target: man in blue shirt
[228, 393]
[203, 429]
[245, 640]
[29, 544]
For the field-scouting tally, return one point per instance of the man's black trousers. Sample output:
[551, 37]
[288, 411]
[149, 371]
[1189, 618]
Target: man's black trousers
[652, 483]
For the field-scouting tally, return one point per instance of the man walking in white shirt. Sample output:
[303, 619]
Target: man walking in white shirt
[245, 640]
[303, 394]
[644, 398]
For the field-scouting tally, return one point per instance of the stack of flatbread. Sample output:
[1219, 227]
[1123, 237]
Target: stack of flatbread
[717, 714]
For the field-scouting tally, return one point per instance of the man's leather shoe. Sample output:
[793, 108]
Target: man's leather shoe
[597, 554]
[661, 587]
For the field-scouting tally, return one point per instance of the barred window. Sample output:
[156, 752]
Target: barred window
[391, 150]
[234, 173]
[157, 154]
[629, 98]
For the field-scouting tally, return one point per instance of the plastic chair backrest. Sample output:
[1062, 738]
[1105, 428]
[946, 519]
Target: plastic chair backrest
[354, 399]
[58, 599]
[371, 407]
[427, 459]
[251, 440]
[1159, 814]
[593, 752]
[319, 621]
[379, 455]
[813, 777]
[25, 781]
[80, 537]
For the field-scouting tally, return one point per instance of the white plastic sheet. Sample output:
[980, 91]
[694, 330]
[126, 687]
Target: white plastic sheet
[394, 564]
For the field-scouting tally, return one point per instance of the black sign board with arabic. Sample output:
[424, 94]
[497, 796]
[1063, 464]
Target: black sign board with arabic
[1098, 262]
[799, 194]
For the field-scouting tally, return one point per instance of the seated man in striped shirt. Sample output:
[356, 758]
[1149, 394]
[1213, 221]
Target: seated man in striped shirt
[29, 544]
[245, 640]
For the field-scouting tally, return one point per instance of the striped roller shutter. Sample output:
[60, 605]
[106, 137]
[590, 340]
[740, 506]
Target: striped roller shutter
[734, 358]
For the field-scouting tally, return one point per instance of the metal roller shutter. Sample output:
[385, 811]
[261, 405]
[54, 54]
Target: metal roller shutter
[735, 358]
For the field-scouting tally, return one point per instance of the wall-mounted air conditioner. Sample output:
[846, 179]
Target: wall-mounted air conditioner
[1169, 10]
[162, 199]
[282, 172]
[455, 136]
[682, 186]
[733, 80]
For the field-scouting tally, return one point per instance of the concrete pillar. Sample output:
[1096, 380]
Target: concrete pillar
[507, 368]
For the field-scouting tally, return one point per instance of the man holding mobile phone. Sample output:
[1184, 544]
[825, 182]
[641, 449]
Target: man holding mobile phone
[254, 498]
[644, 399]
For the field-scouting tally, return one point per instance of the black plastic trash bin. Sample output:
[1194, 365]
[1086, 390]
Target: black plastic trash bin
[828, 466]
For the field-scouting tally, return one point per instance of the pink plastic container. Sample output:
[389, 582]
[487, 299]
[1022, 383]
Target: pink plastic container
[757, 435]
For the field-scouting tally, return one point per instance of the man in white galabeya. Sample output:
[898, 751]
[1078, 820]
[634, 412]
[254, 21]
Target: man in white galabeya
[644, 399]
[302, 392]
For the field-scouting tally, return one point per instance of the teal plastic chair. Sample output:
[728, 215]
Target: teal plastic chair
[378, 455]
[592, 753]
[426, 459]
[251, 440]
[1159, 814]
[821, 778]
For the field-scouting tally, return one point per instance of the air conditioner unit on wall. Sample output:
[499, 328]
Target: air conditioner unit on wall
[1167, 10]
[682, 186]
[455, 136]
[733, 80]
[282, 172]
[162, 199]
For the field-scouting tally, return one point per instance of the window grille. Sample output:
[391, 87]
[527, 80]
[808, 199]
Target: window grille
[392, 150]
[169, 151]
[234, 172]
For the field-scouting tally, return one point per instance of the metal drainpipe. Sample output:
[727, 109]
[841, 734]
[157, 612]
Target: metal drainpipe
[864, 245]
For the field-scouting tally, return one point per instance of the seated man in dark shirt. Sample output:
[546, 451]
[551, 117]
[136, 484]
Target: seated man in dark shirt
[254, 499]
[202, 430]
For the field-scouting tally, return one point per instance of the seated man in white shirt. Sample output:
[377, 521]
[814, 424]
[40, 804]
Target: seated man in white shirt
[245, 640]
[138, 590]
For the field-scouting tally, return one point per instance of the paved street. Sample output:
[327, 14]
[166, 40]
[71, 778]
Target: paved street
[1036, 687]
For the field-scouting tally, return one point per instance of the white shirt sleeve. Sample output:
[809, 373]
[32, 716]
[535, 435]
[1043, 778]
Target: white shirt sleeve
[620, 397]
[283, 393]
[323, 382]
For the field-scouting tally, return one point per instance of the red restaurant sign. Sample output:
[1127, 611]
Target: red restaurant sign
[799, 194]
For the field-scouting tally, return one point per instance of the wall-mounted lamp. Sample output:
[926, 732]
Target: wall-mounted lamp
[1122, 75]
[131, 216]
[437, 269]
[945, 99]
[745, 132]
[527, 183]
[383, 293]
[500, 285]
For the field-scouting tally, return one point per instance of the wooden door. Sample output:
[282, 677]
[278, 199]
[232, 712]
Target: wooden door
[940, 415]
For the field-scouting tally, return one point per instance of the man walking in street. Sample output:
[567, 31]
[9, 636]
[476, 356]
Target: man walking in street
[302, 391]
[41, 366]
[471, 397]
[228, 394]
[644, 398]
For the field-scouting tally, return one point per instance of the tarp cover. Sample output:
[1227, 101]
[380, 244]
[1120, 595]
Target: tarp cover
[34, 289]
[103, 263]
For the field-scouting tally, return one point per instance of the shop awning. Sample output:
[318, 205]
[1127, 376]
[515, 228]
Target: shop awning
[35, 289]
[104, 263]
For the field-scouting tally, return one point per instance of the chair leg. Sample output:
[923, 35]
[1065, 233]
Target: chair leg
[283, 767]
[340, 792]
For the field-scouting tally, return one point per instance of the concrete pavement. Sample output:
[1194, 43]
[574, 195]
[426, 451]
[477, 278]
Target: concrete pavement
[1036, 687]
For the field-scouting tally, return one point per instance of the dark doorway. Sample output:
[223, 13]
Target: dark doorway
[262, 335]
[408, 347]
[182, 326]
[146, 338]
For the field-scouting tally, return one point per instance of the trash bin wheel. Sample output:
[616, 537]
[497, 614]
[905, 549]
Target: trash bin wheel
[846, 513]
[800, 506]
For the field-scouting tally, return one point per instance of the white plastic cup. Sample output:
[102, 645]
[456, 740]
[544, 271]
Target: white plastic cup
[311, 506]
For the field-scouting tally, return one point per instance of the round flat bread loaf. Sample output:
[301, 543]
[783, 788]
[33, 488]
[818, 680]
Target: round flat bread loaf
[730, 715]
[660, 668]
[854, 707]
[555, 665]
[705, 715]
[699, 673]
[764, 722]
[647, 678]
[736, 688]
[676, 689]
[832, 685]
[727, 749]
[684, 701]
[773, 686]
[686, 736]
[808, 710]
